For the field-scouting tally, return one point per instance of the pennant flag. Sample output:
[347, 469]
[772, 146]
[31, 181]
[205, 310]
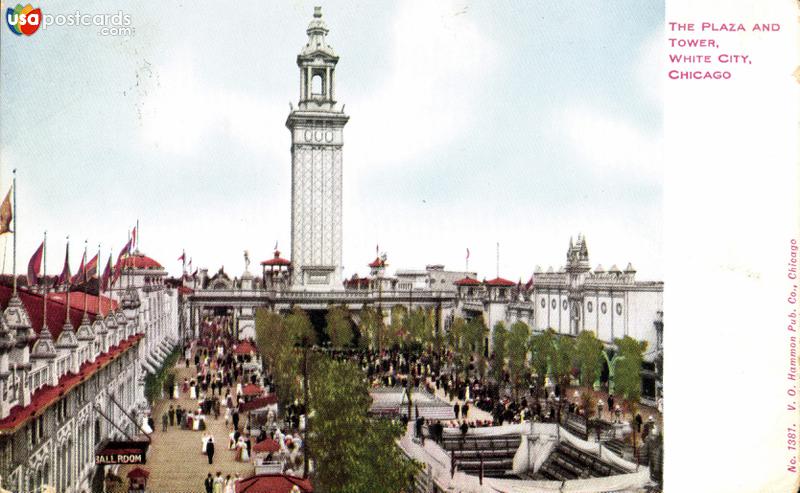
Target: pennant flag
[182, 258]
[529, 284]
[106, 275]
[133, 236]
[5, 214]
[35, 266]
[276, 246]
[66, 275]
[194, 274]
[91, 269]
[467, 253]
[80, 276]
[126, 250]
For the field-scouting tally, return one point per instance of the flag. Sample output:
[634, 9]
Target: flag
[35, 265]
[91, 269]
[133, 236]
[126, 250]
[106, 275]
[467, 253]
[194, 274]
[5, 214]
[376, 250]
[276, 246]
[66, 275]
[529, 284]
[80, 276]
[182, 258]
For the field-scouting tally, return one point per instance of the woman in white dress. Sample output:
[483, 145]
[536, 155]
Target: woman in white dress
[205, 439]
[193, 391]
[176, 392]
[146, 426]
[230, 485]
[242, 446]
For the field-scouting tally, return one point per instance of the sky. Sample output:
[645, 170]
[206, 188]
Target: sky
[472, 124]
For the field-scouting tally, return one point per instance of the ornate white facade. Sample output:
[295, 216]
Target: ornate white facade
[316, 127]
[69, 383]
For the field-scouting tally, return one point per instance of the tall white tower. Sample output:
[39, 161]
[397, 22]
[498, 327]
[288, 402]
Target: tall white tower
[316, 126]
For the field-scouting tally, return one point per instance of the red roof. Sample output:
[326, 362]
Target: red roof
[272, 483]
[378, 262]
[48, 395]
[499, 281]
[244, 347]
[185, 290]
[467, 281]
[139, 261]
[259, 402]
[276, 260]
[252, 389]
[138, 473]
[266, 446]
[56, 308]
[106, 304]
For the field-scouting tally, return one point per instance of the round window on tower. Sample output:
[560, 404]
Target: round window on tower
[544, 303]
[619, 308]
[553, 304]
[564, 304]
[589, 306]
[603, 307]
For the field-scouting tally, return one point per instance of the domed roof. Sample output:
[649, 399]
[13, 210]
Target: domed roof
[276, 260]
[138, 260]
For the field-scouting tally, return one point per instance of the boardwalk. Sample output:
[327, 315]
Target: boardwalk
[175, 461]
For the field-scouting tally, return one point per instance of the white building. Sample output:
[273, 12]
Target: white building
[68, 384]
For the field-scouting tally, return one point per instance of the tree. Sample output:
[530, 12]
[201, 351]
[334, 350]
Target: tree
[397, 331]
[499, 350]
[475, 333]
[542, 355]
[370, 328]
[458, 344]
[518, 354]
[589, 356]
[627, 375]
[353, 452]
[564, 357]
[337, 326]
[416, 323]
[277, 345]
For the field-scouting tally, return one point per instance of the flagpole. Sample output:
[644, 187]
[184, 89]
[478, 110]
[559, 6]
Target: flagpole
[83, 267]
[497, 272]
[44, 275]
[14, 247]
[67, 281]
[99, 297]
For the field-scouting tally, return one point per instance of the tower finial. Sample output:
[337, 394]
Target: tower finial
[318, 12]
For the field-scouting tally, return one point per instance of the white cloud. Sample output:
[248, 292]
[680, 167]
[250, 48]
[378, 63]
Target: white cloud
[612, 144]
[439, 60]
[179, 111]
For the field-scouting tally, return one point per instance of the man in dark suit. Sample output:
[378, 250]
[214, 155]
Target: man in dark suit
[209, 482]
[210, 450]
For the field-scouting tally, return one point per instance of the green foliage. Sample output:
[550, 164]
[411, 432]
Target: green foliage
[369, 325]
[518, 354]
[300, 329]
[277, 342]
[499, 349]
[542, 354]
[475, 333]
[398, 334]
[589, 356]
[563, 360]
[628, 368]
[352, 452]
[155, 382]
[420, 329]
[337, 326]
